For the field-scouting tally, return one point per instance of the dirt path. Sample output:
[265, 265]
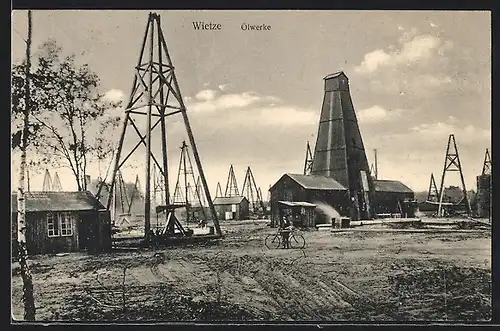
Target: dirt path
[341, 276]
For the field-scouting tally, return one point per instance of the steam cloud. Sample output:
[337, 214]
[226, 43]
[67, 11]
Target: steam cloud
[327, 210]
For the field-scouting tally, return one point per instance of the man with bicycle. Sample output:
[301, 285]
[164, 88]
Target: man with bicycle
[286, 229]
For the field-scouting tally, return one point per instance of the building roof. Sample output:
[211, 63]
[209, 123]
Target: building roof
[297, 203]
[229, 200]
[312, 182]
[335, 74]
[58, 201]
[391, 186]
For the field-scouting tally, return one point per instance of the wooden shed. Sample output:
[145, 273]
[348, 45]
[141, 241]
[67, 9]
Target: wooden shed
[63, 222]
[318, 190]
[232, 208]
[392, 197]
[300, 213]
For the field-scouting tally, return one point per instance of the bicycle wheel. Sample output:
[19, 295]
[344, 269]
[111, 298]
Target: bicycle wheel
[272, 241]
[297, 241]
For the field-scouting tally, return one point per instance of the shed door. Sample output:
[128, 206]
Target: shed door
[105, 242]
[85, 230]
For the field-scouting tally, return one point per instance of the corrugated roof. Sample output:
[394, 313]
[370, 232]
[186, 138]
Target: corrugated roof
[391, 186]
[228, 200]
[313, 182]
[335, 74]
[57, 201]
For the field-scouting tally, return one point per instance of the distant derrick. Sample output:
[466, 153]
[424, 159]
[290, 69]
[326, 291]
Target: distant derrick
[51, 184]
[433, 193]
[232, 185]
[487, 163]
[218, 191]
[252, 192]
[47, 181]
[309, 160]
[186, 192]
[56, 183]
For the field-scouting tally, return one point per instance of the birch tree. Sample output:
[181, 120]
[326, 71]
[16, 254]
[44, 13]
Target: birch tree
[28, 298]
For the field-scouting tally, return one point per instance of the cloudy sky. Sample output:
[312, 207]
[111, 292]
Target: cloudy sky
[254, 97]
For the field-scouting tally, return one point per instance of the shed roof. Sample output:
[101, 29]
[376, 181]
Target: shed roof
[58, 201]
[313, 182]
[229, 200]
[391, 186]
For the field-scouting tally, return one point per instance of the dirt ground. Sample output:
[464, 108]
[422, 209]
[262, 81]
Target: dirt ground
[345, 276]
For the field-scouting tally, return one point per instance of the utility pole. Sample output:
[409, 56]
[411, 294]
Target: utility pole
[28, 299]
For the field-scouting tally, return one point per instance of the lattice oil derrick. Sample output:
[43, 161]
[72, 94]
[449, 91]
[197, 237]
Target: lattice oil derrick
[251, 191]
[47, 181]
[218, 191]
[232, 185]
[155, 95]
[433, 193]
[308, 161]
[452, 163]
[159, 187]
[186, 192]
[56, 183]
[487, 163]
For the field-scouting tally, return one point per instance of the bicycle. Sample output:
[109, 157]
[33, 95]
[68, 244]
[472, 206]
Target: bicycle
[275, 240]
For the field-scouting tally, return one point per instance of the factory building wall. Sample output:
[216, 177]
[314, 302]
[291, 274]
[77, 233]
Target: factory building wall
[289, 190]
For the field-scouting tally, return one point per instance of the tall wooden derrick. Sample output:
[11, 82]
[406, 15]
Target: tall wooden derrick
[452, 163]
[308, 161]
[339, 152]
[252, 193]
[433, 193]
[155, 96]
[186, 192]
[231, 185]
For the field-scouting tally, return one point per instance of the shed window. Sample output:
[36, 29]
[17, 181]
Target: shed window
[59, 224]
[52, 225]
[65, 223]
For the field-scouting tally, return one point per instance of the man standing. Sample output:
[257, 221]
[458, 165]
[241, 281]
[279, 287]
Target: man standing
[285, 232]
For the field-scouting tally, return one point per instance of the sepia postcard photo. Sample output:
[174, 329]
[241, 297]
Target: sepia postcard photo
[250, 166]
